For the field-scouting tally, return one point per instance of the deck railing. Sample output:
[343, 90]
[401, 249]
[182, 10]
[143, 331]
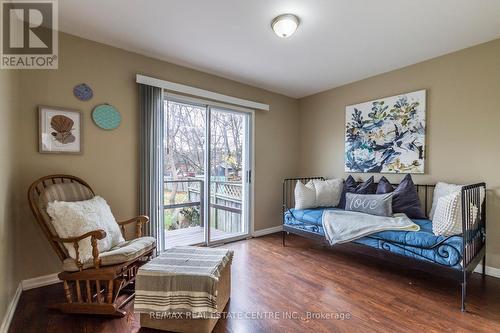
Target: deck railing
[180, 187]
[225, 201]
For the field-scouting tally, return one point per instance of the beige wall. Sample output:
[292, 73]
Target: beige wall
[110, 159]
[8, 137]
[463, 117]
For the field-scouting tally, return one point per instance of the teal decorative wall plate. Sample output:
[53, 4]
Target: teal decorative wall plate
[106, 116]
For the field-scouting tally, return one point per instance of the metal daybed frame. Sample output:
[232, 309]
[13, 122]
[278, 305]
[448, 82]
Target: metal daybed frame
[473, 236]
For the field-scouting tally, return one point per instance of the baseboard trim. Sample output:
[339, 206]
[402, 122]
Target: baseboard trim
[11, 309]
[267, 231]
[27, 284]
[40, 281]
[490, 271]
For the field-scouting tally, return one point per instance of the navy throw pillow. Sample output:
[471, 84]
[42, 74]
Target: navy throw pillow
[405, 198]
[350, 186]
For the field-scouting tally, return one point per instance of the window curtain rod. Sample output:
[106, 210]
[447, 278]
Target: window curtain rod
[183, 89]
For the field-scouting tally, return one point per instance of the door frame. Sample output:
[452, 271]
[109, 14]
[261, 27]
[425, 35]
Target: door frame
[167, 96]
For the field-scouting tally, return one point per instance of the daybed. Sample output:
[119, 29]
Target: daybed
[452, 257]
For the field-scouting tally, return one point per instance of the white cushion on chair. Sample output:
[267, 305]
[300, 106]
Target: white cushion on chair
[72, 219]
[69, 192]
[121, 253]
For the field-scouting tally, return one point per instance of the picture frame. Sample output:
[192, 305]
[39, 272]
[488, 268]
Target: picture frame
[387, 135]
[60, 130]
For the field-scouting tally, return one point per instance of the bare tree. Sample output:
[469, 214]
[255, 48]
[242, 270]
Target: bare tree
[185, 144]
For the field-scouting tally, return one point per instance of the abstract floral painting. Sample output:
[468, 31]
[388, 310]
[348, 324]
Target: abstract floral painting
[386, 135]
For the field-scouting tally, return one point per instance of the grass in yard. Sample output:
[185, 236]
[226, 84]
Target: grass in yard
[168, 218]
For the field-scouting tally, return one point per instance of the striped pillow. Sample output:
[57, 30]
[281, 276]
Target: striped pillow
[69, 192]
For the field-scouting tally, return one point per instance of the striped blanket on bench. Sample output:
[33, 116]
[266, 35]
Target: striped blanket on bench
[181, 280]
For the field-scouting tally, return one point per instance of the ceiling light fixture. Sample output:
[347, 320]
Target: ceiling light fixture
[285, 25]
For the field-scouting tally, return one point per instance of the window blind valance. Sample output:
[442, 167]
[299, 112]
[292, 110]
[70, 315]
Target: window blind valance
[188, 90]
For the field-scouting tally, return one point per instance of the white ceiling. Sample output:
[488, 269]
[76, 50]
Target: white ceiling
[338, 41]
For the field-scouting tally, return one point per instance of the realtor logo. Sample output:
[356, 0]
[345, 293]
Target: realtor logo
[29, 34]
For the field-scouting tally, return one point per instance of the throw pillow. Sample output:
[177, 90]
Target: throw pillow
[328, 192]
[350, 186]
[71, 219]
[374, 204]
[405, 199]
[441, 190]
[305, 195]
[448, 215]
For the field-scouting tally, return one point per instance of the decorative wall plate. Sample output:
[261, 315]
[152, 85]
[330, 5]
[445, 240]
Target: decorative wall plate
[83, 92]
[106, 116]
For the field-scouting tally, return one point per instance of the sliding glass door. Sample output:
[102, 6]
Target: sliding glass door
[207, 173]
[229, 174]
[184, 173]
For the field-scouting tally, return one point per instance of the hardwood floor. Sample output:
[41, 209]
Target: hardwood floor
[301, 278]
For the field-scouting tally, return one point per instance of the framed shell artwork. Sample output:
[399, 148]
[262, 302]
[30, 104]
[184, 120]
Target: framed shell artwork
[60, 130]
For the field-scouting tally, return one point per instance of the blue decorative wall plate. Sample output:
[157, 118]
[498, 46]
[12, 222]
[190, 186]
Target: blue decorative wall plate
[83, 92]
[106, 116]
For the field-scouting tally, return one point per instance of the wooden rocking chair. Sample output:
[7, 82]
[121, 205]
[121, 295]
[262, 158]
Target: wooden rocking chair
[101, 285]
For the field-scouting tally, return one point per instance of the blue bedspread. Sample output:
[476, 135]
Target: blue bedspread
[422, 245]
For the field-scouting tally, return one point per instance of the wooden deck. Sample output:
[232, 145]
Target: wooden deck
[192, 235]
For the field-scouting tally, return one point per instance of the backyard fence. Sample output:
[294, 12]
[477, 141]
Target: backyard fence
[225, 204]
[225, 201]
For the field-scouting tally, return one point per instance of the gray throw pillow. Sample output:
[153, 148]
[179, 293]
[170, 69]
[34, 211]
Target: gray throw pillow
[374, 204]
